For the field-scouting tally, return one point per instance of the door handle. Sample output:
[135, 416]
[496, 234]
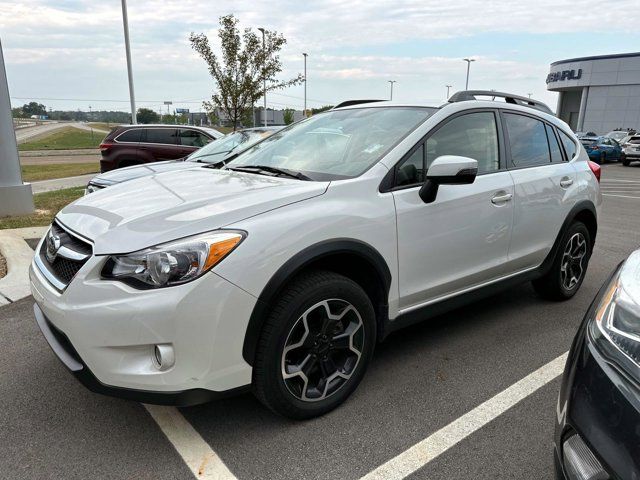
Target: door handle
[501, 198]
[566, 182]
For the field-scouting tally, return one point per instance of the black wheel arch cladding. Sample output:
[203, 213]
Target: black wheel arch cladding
[321, 254]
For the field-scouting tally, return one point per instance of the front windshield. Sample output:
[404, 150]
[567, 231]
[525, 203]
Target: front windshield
[218, 149]
[336, 144]
[617, 135]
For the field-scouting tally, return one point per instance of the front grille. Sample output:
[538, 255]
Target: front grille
[65, 269]
[63, 263]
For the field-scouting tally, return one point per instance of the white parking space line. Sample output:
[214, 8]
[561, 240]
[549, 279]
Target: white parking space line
[439, 442]
[203, 462]
[620, 196]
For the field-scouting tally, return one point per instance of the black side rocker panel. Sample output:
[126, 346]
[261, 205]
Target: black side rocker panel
[294, 265]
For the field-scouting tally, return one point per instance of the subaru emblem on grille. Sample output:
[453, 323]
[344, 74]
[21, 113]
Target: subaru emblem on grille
[53, 245]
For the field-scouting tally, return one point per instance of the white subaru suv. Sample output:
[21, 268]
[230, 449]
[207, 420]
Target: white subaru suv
[281, 271]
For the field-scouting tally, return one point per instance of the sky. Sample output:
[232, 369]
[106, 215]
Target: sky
[69, 54]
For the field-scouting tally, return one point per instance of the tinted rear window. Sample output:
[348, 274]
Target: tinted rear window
[161, 135]
[588, 143]
[527, 140]
[130, 135]
[634, 140]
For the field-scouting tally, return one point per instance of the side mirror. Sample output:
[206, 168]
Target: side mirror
[448, 170]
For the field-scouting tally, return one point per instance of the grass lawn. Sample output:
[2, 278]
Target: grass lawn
[34, 173]
[66, 139]
[47, 205]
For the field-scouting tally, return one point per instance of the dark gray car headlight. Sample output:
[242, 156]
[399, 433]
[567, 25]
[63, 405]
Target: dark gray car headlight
[615, 326]
[172, 263]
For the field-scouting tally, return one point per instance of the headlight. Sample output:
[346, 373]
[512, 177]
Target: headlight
[615, 327]
[172, 263]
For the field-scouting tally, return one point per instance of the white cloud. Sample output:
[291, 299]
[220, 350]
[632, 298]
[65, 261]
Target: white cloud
[76, 45]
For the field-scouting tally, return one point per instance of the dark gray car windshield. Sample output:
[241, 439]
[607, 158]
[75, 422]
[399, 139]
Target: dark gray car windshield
[236, 141]
[336, 144]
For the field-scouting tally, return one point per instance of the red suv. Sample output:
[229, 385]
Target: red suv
[129, 145]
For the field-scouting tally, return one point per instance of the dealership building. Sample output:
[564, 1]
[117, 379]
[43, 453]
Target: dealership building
[598, 94]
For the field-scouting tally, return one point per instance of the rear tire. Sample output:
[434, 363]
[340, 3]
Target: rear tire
[569, 268]
[315, 345]
[625, 161]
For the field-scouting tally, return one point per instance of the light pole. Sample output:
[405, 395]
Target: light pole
[305, 85]
[264, 78]
[15, 197]
[391, 82]
[468, 60]
[125, 22]
[448, 87]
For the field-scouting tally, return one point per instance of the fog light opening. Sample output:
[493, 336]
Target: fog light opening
[163, 357]
[579, 461]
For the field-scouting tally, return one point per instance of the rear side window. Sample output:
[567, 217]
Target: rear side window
[130, 136]
[161, 135]
[568, 144]
[527, 140]
[472, 135]
[634, 140]
[554, 146]
[192, 138]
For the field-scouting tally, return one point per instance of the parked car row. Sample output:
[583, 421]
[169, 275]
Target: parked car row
[129, 145]
[216, 153]
[602, 149]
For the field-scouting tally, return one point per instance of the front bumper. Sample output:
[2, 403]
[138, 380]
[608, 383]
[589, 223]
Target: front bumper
[110, 331]
[602, 405]
[65, 352]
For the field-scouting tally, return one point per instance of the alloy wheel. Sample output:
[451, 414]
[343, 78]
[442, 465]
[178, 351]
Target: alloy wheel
[572, 267]
[322, 350]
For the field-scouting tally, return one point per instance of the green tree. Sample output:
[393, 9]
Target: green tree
[239, 71]
[288, 116]
[33, 108]
[146, 115]
[321, 109]
[17, 112]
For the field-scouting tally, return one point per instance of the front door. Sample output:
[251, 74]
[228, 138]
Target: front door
[461, 239]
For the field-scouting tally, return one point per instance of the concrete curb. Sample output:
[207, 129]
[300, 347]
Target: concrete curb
[15, 285]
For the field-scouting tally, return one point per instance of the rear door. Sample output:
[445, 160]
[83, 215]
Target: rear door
[460, 240]
[160, 143]
[191, 140]
[544, 182]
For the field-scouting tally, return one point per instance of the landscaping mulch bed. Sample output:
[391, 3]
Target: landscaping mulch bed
[3, 266]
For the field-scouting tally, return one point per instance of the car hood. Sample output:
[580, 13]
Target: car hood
[130, 173]
[155, 209]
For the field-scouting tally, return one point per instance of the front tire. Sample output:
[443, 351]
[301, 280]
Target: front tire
[569, 268]
[315, 345]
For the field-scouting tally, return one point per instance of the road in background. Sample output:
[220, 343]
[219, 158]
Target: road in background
[421, 379]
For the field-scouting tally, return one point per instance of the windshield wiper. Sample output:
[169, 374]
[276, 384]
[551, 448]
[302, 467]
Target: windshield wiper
[266, 168]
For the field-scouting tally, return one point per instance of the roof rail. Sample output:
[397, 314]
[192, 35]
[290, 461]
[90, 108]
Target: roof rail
[466, 95]
[348, 103]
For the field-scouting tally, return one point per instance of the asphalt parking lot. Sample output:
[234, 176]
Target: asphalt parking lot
[421, 380]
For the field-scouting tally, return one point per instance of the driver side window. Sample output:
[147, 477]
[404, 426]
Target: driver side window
[472, 135]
